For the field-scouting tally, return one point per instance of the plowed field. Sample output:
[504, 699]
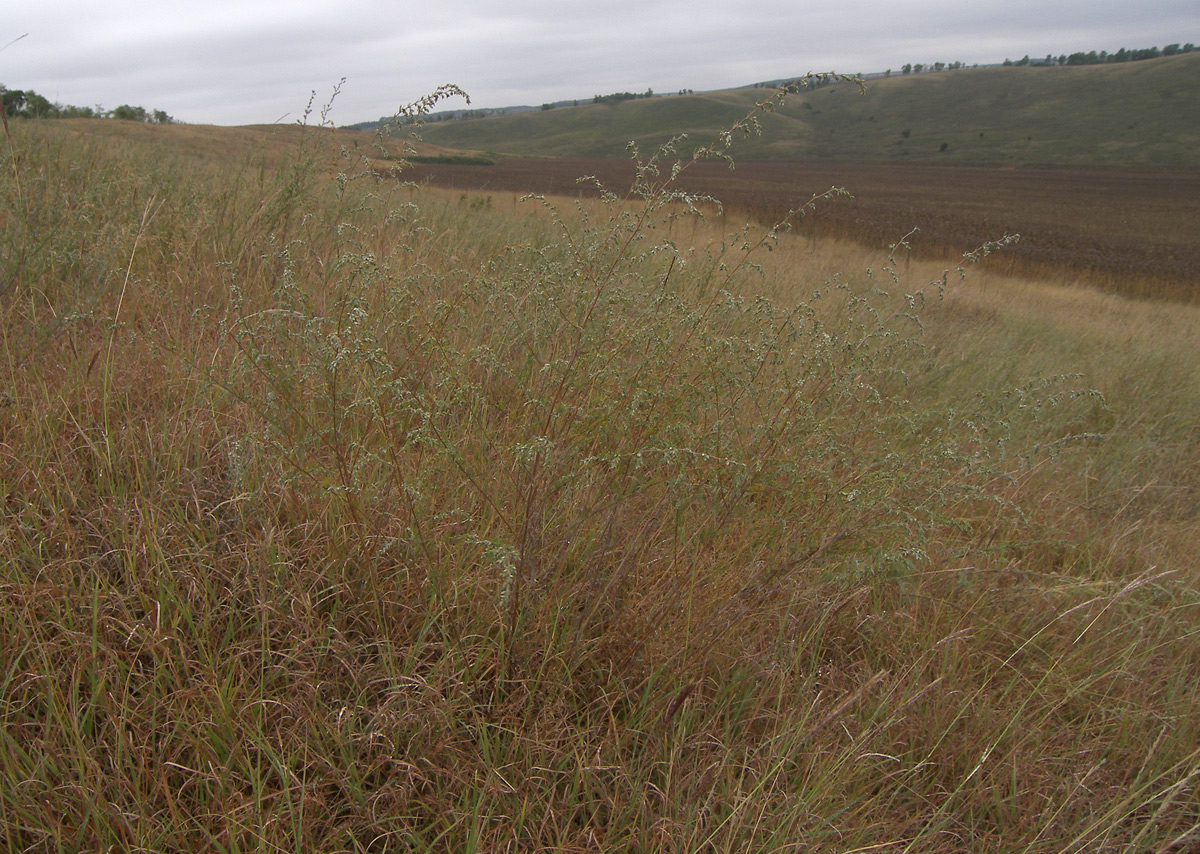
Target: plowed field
[1129, 229]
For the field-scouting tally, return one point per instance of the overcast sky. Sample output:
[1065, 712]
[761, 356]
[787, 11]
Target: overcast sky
[256, 61]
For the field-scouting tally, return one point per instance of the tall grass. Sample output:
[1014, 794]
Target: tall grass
[342, 515]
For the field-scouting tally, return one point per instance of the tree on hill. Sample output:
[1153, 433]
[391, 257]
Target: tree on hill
[28, 104]
[140, 114]
[1102, 57]
[126, 113]
[617, 97]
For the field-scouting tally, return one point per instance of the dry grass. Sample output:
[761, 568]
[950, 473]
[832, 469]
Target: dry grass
[345, 516]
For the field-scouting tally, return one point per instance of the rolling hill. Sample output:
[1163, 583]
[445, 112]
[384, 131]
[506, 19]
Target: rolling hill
[1131, 113]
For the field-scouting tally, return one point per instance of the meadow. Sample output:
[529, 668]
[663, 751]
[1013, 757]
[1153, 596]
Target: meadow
[1123, 114]
[343, 513]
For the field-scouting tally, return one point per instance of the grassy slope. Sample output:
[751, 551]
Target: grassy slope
[345, 517]
[1139, 112]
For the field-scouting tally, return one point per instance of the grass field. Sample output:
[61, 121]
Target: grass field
[1120, 114]
[342, 514]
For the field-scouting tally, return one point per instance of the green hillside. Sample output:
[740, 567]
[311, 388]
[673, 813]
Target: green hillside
[1138, 112]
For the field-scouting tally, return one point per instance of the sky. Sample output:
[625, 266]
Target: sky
[232, 62]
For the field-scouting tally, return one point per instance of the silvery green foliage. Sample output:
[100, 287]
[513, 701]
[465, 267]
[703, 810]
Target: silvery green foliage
[589, 413]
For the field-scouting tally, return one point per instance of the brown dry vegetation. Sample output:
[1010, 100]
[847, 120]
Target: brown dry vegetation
[345, 516]
[1135, 230]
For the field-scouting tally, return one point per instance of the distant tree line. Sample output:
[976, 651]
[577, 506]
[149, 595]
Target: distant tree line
[1080, 58]
[431, 118]
[617, 97]
[917, 68]
[1103, 57]
[140, 114]
[28, 104]
[815, 81]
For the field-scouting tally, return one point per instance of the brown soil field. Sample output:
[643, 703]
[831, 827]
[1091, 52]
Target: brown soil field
[1134, 230]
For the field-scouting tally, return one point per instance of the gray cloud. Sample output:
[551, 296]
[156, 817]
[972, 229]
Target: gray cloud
[228, 62]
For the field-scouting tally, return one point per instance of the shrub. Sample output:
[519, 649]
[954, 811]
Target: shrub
[621, 430]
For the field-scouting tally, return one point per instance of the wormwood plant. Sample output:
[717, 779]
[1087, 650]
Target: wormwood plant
[617, 451]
